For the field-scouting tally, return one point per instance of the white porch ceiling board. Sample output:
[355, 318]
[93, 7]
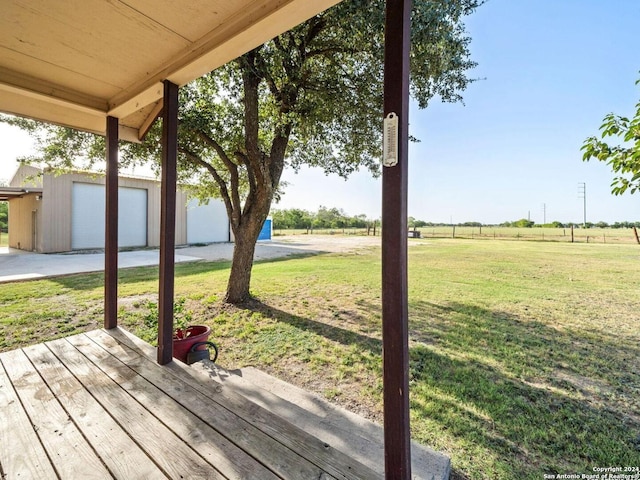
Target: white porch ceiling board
[189, 20]
[73, 62]
[14, 66]
[103, 40]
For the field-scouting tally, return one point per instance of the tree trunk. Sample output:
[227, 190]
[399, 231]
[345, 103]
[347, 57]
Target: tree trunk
[264, 171]
[240, 277]
[246, 235]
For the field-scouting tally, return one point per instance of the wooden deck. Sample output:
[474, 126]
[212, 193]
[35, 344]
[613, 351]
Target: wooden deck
[96, 405]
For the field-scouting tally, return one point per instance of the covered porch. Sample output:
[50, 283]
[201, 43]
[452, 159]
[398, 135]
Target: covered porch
[113, 68]
[97, 405]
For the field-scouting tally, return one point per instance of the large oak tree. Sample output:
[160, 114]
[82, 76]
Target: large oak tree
[311, 96]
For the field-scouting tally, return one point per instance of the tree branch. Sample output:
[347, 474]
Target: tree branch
[250, 81]
[242, 158]
[224, 192]
[234, 179]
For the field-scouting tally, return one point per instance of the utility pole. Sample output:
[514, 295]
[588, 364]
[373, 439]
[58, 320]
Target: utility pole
[544, 213]
[582, 193]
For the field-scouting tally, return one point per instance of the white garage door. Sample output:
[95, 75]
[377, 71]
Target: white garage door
[207, 223]
[87, 216]
[132, 217]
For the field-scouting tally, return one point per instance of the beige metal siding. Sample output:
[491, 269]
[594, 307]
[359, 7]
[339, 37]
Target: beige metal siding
[181, 218]
[27, 176]
[55, 210]
[56, 213]
[153, 215]
[56, 225]
[20, 221]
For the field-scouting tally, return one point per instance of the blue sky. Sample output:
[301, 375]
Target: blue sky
[549, 71]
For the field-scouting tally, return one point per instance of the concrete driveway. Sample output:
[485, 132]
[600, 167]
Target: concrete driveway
[21, 265]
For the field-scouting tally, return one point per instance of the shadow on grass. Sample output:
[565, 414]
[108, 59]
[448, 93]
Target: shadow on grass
[331, 332]
[520, 397]
[554, 399]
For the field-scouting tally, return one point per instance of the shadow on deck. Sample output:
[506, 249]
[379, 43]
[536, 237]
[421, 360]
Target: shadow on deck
[97, 405]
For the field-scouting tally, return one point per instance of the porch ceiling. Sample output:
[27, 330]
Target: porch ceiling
[74, 62]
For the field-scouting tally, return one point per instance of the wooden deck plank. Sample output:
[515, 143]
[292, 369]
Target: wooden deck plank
[329, 459]
[69, 451]
[233, 462]
[175, 458]
[284, 461]
[21, 453]
[138, 419]
[118, 451]
[361, 437]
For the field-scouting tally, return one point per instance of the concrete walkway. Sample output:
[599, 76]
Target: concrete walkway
[20, 265]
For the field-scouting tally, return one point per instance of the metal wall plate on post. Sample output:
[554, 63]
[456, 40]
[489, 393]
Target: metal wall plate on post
[390, 140]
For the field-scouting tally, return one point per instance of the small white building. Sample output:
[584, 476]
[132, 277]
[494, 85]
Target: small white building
[59, 213]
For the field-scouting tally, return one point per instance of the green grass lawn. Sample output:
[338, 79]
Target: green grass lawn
[525, 356]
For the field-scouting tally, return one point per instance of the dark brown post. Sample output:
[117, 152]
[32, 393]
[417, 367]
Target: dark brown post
[635, 233]
[167, 222]
[395, 337]
[111, 227]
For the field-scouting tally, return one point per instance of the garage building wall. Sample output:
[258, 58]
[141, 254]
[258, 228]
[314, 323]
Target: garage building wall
[55, 210]
[207, 223]
[56, 213]
[21, 219]
[27, 176]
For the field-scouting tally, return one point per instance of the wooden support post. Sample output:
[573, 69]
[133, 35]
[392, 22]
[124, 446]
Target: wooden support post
[167, 222]
[395, 336]
[111, 227]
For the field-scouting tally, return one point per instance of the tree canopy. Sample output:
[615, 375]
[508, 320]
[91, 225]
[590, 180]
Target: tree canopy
[624, 156]
[311, 96]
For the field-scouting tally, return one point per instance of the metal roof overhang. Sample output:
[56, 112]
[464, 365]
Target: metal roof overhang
[7, 193]
[75, 62]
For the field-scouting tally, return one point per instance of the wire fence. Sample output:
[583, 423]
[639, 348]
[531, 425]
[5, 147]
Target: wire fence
[578, 235]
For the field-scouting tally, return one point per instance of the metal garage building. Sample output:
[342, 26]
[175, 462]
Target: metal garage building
[49, 213]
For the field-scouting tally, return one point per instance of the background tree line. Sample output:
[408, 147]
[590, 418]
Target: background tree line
[336, 218]
[524, 223]
[325, 218]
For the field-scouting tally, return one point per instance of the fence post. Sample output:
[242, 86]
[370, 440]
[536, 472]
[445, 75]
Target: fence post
[571, 233]
[635, 232]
